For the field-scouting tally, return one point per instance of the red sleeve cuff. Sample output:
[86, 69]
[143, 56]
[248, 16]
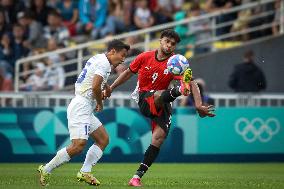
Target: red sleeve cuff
[132, 70]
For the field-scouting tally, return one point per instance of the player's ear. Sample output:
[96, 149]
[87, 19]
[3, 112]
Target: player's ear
[112, 51]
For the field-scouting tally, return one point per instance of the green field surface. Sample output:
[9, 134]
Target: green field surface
[160, 175]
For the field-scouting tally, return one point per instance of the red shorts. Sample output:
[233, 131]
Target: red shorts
[161, 117]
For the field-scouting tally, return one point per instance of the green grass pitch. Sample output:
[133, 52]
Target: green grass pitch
[160, 175]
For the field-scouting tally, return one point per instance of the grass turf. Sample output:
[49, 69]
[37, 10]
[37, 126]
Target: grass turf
[174, 176]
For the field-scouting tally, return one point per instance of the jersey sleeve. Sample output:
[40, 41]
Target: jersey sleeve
[101, 70]
[136, 63]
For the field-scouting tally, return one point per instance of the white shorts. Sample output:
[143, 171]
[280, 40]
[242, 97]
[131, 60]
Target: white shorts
[81, 120]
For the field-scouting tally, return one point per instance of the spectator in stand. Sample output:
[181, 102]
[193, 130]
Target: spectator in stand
[69, 12]
[220, 6]
[182, 30]
[87, 16]
[277, 18]
[242, 22]
[17, 49]
[93, 14]
[170, 6]
[247, 76]
[37, 81]
[189, 100]
[6, 55]
[116, 16]
[53, 46]
[201, 30]
[56, 29]
[54, 75]
[11, 9]
[6, 83]
[40, 10]
[4, 27]
[260, 20]
[128, 12]
[164, 10]
[27, 67]
[33, 30]
[143, 17]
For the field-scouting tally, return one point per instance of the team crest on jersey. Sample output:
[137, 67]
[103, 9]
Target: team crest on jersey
[166, 71]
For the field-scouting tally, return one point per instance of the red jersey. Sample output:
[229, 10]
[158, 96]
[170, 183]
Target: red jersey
[152, 73]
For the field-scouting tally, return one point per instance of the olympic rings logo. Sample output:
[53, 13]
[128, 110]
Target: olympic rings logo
[257, 129]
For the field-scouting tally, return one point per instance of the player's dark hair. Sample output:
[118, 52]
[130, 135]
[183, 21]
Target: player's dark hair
[117, 45]
[170, 34]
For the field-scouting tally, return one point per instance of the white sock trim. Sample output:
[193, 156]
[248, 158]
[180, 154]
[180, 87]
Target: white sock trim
[136, 176]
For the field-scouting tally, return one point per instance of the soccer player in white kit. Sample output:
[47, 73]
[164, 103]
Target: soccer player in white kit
[81, 121]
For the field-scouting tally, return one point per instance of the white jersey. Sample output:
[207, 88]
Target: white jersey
[99, 65]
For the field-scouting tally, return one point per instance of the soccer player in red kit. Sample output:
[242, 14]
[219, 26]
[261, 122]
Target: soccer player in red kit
[154, 98]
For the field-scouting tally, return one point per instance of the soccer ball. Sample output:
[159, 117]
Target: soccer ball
[177, 64]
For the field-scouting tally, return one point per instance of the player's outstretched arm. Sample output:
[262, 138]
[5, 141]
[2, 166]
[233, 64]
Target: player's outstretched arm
[122, 78]
[202, 110]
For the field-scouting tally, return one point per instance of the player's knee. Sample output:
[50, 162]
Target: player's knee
[158, 140]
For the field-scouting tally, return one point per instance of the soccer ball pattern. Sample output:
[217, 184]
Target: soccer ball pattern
[177, 64]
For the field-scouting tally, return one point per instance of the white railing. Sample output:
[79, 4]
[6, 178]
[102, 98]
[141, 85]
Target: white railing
[146, 45]
[47, 99]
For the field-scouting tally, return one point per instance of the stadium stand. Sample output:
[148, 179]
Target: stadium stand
[198, 23]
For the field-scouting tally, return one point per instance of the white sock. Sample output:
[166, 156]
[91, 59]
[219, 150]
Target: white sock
[135, 176]
[61, 157]
[92, 157]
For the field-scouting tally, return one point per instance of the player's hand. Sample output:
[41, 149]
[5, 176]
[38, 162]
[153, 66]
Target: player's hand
[204, 111]
[107, 92]
[99, 107]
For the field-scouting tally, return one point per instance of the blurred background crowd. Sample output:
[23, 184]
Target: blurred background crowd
[30, 27]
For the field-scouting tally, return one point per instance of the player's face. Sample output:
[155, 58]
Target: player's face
[118, 57]
[167, 45]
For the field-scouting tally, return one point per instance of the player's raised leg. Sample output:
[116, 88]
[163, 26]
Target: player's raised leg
[93, 155]
[169, 95]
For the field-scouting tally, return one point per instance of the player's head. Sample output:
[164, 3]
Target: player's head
[117, 52]
[168, 41]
